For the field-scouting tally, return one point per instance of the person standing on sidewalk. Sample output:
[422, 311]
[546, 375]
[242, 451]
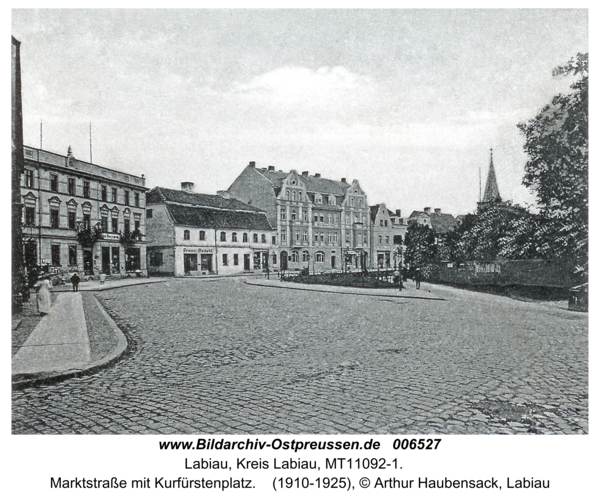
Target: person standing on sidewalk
[43, 296]
[418, 278]
[75, 281]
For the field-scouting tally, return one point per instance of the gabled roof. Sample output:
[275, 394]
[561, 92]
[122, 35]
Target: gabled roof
[202, 217]
[158, 195]
[443, 223]
[374, 209]
[312, 183]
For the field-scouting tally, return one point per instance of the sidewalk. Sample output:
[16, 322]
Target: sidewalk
[94, 285]
[77, 337]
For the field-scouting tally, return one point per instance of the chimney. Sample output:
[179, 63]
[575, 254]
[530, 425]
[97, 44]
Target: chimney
[398, 212]
[272, 168]
[187, 187]
[252, 164]
[305, 173]
[437, 211]
[343, 180]
[427, 210]
[317, 175]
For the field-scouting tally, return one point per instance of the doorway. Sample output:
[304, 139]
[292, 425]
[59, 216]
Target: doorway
[88, 262]
[283, 264]
[190, 263]
[106, 260]
[206, 262]
[246, 262]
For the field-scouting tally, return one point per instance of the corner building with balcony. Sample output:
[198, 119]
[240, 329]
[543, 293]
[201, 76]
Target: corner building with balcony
[321, 224]
[193, 234]
[78, 216]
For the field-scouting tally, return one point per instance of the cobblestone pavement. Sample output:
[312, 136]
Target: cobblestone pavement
[225, 357]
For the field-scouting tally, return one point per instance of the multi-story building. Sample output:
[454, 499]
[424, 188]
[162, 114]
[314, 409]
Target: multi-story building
[387, 236]
[321, 224]
[78, 216]
[441, 223]
[196, 234]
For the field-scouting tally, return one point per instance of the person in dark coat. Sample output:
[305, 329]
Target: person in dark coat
[75, 281]
[418, 278]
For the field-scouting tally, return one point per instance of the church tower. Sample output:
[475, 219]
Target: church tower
[491, 193]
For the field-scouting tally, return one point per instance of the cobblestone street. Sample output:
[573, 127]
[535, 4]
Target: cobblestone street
[226, 357]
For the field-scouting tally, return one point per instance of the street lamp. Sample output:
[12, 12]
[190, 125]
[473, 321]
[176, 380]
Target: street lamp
[398, 259]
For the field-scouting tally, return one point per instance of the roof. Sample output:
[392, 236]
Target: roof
[203, 217]
[440, 223]
[374, 209]
[491, 192]
[312, 183]
[158, 195]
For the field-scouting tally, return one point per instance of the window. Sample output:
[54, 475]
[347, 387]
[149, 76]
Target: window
[54, 218]
[274, 240]
[225, 262]
[381, 222]
[72, 255]
[136, 224]
[282, 212]
[156, 259]
[223, 237]
[385, 222]
[202, 235]
[294, 257]
[263, 238]
[322, 236]
[316, 237]
[71, 186]
[305, 256]
[29, 216]
[321, 219]
[126, 224]
[53, 182]
[104, 192]
[55, 250]
[255, 238]
[297, 236]
[304, 215]
[365, 239]
[71, 220]
[305, 236]
[126, 197]
[329, 238]
[293, 215]
[274, 257]
[380, 238]
[86, 189]
[236, 261]
[347, 237]
[300, 196]
[347, 219]
[148, 213]
[316, 219]
[114, 195]
[387, 239]
[115, 223]
[352, 201]
[29, 178]
[335, 219]
[294, 195]
[234, 237]
[186, 234]
[136, 198]
[86, 221]
[320, 257]
[335, 237]
[360, 202]
[245, 237]
[283, 235]
[104, 224]
[287, 194]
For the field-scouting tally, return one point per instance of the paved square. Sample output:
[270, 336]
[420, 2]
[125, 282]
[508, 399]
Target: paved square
[226, 357]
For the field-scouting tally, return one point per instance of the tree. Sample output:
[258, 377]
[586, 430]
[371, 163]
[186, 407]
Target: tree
[556, 141]
[420, 248]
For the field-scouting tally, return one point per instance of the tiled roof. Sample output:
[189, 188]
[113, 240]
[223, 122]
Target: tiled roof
[374, 209]
[442, 223]
[158, 195]
[202, 217]
[312, 183]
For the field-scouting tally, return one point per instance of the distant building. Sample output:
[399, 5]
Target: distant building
[321, 224]
[82, 217]
[387, 235]
[440, 222]
[196, 234]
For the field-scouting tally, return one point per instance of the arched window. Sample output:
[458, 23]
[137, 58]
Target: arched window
[234, 237]
[255, 238]
[186, 234]
[223, 236]
[294, 195]
[287, 194]
[300, 196]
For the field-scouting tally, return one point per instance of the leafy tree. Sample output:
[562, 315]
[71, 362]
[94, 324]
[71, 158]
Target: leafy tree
[556, 141]
[420, 248]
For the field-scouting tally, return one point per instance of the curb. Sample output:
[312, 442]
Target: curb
[23, 381]
[347, 293]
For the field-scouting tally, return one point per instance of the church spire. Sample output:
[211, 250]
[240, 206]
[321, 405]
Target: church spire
[491, 193]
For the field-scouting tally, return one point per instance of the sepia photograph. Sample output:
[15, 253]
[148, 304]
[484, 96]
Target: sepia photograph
[299, 222]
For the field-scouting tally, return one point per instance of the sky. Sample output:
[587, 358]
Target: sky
[409, 102]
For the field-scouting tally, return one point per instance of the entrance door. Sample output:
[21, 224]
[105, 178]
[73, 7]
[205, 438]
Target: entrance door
[190, 263]
[246, 262]
[283, 264]
[115, 261]
[88, 262]
[206, 262]
[106, 260]
[332, 262]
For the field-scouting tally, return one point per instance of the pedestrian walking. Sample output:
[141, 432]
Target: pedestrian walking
[102, 278]
[418, 278]
[398, 280]
[75, 281]
[44, 301]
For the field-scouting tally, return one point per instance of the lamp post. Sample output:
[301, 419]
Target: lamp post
[398, 259]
